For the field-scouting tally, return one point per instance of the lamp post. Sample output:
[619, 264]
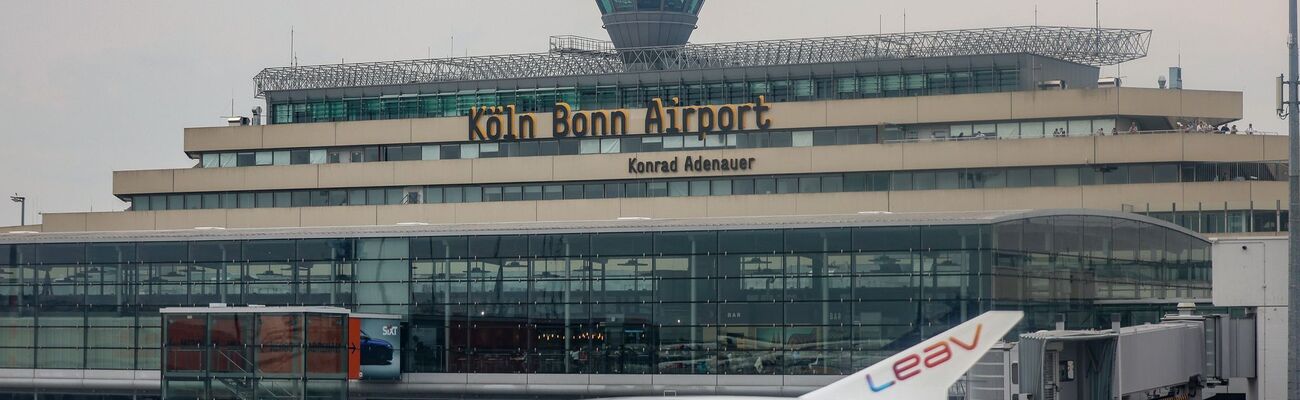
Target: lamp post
[1293, 237]
[22, 204]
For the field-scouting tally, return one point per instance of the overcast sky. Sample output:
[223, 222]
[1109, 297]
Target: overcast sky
[89, 87]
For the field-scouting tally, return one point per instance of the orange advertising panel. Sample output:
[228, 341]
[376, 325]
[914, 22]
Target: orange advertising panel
[354, 348]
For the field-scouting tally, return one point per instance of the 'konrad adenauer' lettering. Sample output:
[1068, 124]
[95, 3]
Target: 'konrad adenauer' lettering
[691, 164]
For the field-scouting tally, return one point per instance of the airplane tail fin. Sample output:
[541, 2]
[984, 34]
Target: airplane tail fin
[927, 370]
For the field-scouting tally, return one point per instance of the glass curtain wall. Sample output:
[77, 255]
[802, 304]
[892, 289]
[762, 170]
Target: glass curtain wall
[953, 80]
[772, 301]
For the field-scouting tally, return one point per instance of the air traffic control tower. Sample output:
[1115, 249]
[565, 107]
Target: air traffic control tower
[649, 23]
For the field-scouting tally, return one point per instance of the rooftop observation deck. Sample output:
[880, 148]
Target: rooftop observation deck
[576, 56]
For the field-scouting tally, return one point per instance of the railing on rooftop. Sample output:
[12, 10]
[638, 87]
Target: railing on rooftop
[980, 136]
[573, 56]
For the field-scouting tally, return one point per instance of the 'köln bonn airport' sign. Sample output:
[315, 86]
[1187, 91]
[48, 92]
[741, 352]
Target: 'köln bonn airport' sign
[497, 123]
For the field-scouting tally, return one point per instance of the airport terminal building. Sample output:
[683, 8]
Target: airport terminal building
[640, 216]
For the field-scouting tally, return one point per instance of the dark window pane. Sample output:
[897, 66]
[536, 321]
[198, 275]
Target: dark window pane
[449, 247]
[473, 194]
[270, 250]
[1042, 177]
[61, 253]
[593, 191]
[452, 194]
[679, 189]
[742, 186]
[613, 190]
[686, 242]
[492, 193]
[282, 199]
[514, 193]
[855, 182]
[900, 181]
[753, 241]
[817, 240]
[533, 192]
[923, 181]
[559, 245]
[621, 244]
[952, 237]
[1114, 174]
[572, 192]
[634, 189]
[1165, 173]
[162, 252]
[300, 198]
[787, 185]
[810, 185]
[1140, 174]
[498, 246]
[99, 253]
[700, 188]
[886, 239]
[205, 251]
[326, 249]
[1018, 177]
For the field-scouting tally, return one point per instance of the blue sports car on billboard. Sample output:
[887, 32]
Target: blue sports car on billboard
[375, 351]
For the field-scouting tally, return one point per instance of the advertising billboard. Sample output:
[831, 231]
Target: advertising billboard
[374, 347]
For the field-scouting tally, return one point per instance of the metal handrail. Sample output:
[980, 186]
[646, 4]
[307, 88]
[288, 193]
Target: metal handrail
[1049, 136]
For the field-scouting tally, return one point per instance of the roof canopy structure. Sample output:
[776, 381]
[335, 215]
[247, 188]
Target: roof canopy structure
[573, 56]
[631, 224]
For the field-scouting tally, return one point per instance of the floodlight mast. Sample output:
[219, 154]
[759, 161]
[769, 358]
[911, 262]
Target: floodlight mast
[22, 208]
[1293, 217]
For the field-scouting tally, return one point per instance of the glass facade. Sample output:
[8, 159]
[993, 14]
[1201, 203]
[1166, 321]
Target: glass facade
[210, 354]
[825, 300]
[950, 80]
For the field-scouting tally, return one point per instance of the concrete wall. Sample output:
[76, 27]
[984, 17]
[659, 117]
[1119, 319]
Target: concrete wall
[1134, 102]
[871, 157]
[1140, 197]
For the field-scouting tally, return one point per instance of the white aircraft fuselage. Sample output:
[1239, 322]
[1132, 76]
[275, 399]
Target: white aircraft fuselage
[922, 372]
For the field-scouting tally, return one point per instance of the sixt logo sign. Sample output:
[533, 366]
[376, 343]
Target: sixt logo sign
[931, 357]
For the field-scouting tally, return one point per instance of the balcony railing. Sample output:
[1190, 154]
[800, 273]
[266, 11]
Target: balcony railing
[983, 136]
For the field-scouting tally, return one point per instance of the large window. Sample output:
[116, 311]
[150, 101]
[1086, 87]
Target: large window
[972, 178]
[866, 85]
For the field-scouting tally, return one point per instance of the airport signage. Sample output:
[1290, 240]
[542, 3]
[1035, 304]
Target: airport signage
[499, 123]
[691, 164]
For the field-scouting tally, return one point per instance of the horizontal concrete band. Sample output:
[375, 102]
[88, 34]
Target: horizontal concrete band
[1213, 106]
[794, 160]
[598, 385]
[80, 380]
[1157, 197]
[540, 384]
